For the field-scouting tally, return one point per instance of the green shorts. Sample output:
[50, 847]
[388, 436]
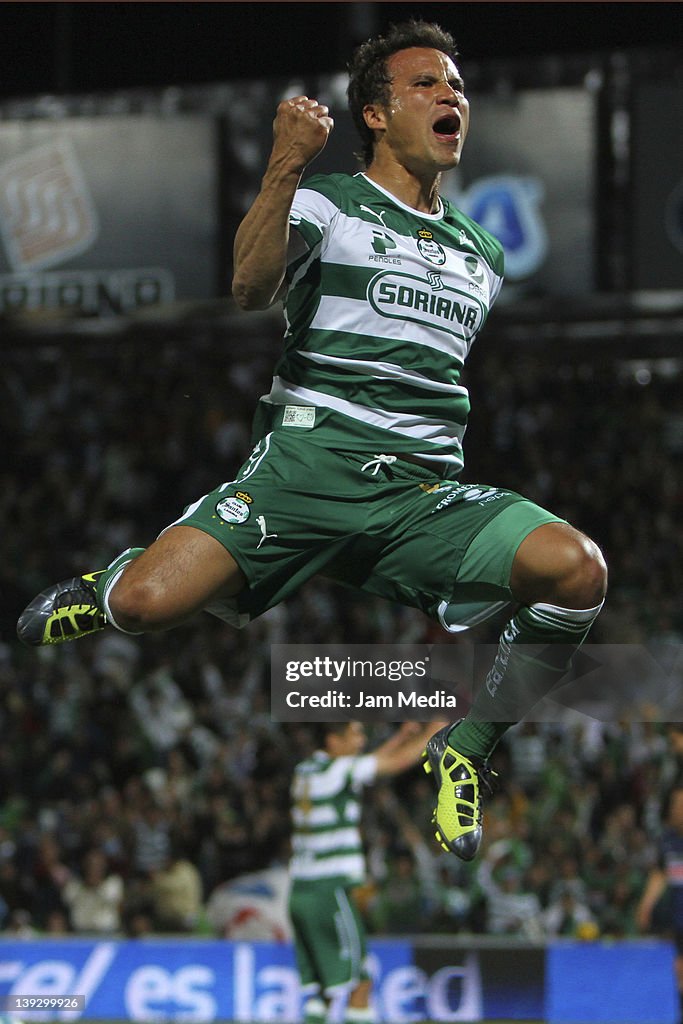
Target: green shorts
[329, 937]
[390, 528]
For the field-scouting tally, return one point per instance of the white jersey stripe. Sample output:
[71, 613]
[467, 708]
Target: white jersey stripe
[346, 314]
[410, 425]
[325, 842]
[384, 370]
[347, 929]
[350, 866]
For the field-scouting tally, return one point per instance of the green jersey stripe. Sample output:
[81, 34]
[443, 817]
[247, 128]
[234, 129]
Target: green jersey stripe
[428, 363]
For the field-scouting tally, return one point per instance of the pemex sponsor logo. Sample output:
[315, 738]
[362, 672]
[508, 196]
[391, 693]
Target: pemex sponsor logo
[407, 297]
[46, 211]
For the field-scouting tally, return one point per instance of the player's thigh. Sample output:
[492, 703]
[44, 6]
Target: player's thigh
[176, 576]
[305, 964]
[457, 550]
[285, 514]
[329, 928]
[489, 557]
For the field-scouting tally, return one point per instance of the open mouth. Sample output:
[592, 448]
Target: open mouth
[447, 127]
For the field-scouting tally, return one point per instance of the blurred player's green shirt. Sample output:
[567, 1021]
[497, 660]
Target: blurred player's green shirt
[381, 312]
[326, 812]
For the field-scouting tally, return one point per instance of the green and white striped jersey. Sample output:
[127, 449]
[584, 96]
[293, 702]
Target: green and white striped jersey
[381, 312]
[326, 812]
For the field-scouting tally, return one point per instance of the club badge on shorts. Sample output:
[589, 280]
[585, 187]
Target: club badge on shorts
[235, 508]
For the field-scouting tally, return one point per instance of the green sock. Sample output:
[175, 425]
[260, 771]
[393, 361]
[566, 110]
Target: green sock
[476, 739]
[534, 653]
[105, 580]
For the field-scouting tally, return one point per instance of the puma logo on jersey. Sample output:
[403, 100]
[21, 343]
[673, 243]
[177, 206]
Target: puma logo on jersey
[465, 240]
[373, 213]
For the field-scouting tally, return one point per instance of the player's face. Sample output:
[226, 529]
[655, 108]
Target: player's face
[426, 119]
[353, 738]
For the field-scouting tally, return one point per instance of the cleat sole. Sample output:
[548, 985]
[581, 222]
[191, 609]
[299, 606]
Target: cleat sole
[51, 619]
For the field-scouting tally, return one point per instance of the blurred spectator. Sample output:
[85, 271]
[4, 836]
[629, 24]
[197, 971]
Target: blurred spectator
[176, 893]
[94, 899]
[151, 840]
[20, 926]
[399, 902]
[569, 916]
[48, 876]
[511, 906]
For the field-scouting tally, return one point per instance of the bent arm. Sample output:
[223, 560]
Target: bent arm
[300, 131]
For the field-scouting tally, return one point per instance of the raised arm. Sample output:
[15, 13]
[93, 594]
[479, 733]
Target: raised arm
[403, 749]
[300, 131]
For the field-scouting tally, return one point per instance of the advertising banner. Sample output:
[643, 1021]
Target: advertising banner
[431, 979]
[167, 980]
[609, 983]
[657, 204]
[105, 215]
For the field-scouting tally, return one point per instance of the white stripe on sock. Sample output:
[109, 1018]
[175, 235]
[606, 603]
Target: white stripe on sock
[574, 619]
[358, 1015]
[105, 601]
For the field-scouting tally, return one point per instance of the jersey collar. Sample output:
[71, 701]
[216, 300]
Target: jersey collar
[404, 206]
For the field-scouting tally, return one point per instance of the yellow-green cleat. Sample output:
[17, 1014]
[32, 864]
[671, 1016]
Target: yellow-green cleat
[66, 611]
[458, 812]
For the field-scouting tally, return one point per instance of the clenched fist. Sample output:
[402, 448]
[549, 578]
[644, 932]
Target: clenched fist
[301, 129]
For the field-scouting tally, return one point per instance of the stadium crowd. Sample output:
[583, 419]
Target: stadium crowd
[139, 774]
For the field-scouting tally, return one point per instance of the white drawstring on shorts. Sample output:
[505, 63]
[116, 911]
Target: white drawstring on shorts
[378, 462]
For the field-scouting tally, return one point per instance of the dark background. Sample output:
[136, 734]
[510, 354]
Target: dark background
[77, 47]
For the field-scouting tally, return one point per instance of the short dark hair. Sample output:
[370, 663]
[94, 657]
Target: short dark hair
[369, 81]
[324, 729]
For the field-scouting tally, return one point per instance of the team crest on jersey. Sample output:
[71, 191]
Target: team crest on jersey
[429, 248]
[234, 509]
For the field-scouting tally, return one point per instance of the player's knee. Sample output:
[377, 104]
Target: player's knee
[583, 581]
[557, 564]
[137, 606]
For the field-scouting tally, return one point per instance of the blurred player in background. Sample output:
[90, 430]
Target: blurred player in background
[359, 441]
[327, 861]
[661, 905]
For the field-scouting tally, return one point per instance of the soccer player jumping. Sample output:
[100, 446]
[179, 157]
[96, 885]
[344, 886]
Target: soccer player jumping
[358, 444]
